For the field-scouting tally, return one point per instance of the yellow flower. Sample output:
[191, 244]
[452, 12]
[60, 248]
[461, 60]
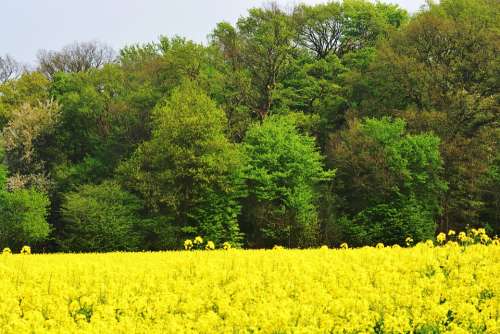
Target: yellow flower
[379, 245]
[277, 247]
[451, 232]
[188, 244]
[409, 241]
[429, 243]
[481, 231]
[462, 236]
[226, 245]
[73, 306]
[210, 245]
[136, 295]
[85, 301]
[26, 250]
[344, 245]
[485, 239]
[6, 251]
[474, 232]
[324, 247]
[198, 240]
[441, 237]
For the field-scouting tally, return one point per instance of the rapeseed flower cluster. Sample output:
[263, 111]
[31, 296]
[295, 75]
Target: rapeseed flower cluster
[26, 250]
[441, 238]
[188, 244]
[197, 243]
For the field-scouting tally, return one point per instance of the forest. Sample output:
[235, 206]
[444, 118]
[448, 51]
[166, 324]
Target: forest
[312, 125]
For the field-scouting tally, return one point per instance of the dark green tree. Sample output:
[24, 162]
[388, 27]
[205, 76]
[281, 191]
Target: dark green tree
[388, 183]
[440, 73]
[189, 173]
[342, 27]
[23, 215]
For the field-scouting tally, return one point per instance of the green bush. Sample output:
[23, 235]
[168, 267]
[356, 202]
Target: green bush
[100, 218]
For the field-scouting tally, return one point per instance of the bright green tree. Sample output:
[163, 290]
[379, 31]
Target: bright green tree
[284, 170]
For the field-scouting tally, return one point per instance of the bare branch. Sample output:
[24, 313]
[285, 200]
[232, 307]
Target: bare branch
[10, 69]
[76, 57]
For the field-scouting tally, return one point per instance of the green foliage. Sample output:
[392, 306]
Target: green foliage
[22, 215]
[266, 38]
[388, 182]
[30, 88]
[96, 115]
[26, 133]
[100, 218]
[284, 168]
[188, 172]
[389, 223]
[342, 27]
[490, 186]
[440, 73]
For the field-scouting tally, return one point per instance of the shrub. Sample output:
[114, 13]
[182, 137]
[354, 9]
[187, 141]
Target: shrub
[100, 218]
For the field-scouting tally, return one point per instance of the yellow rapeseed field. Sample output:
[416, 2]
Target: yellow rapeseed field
[423, 289]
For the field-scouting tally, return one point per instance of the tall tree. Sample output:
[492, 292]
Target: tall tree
[441, 74]
[26, 133]
[23, 214]
[267, 41]
[189, 174]
[342, 27]
[284, 170]
[388, 183]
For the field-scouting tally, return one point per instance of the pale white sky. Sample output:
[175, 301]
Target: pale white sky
[29, 25]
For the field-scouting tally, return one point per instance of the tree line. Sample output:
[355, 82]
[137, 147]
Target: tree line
[340, 122]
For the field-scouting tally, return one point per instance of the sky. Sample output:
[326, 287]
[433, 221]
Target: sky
[27, 26]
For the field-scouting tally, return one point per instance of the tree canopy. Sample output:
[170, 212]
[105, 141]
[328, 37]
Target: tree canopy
[346, 121]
